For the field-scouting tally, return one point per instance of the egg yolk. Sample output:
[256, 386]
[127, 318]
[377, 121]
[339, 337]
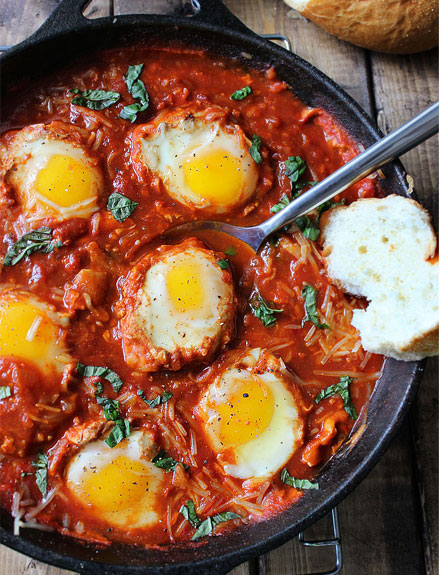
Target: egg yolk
[65, 181]
[114, 487]
[245, 413]
[214, 175]
[184, 286]
[25, 331]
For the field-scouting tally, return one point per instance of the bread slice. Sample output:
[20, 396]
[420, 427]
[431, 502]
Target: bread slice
[398, 27]
[385, 250]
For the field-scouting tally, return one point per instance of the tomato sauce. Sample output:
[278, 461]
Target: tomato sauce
[108, 249]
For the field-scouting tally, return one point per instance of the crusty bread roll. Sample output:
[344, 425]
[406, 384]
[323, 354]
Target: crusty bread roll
[394, 26]
[385, 249]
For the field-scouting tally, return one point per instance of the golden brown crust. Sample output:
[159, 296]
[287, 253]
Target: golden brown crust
[396, 27]
[139, 350]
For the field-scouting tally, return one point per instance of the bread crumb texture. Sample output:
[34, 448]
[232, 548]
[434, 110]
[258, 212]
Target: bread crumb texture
[385, 250]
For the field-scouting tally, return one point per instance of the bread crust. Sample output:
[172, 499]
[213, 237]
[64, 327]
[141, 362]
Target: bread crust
[422, 344]
[395, 27]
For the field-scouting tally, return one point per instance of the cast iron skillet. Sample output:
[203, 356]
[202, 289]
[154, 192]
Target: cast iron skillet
[64, 36]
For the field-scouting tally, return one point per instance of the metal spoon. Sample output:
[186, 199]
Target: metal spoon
[417, 130]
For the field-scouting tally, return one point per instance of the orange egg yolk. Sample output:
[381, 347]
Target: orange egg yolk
[185, 287]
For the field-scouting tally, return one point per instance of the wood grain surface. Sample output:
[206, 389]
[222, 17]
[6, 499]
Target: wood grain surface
[389, 523]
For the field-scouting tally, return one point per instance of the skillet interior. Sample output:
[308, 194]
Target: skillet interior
[66, 36]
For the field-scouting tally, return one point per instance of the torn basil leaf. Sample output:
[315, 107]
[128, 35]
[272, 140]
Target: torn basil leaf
[254, 150]
[39, 240]
[261, 310]
[188, 510]
[283, 203]
[158, 400]
[5, 391]
[137, 89]
[206, 527]
[99, 371]
[121, 428]
[297, 483]
[166, 462]
[241, 94]
[120, 206]
[295, 168]
[341, 388]
[95, 99]
[230, 251]
[224, 264]
[309, 293]
[40, 465]
[308, 228]
[328, 205]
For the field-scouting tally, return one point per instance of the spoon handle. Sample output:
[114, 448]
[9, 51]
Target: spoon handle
[417, 130]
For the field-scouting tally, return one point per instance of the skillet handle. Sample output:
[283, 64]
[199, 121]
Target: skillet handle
[66, 17]
[214, 12]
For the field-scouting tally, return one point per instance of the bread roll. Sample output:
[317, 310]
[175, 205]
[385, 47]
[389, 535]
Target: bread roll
[394, 26]
[385, 250]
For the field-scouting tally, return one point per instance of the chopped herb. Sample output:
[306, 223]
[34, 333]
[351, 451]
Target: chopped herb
[5, 391]
[166, 462]
[40, 465]
[254, 150]
[230, 251]
[308, 293]
[283, 203]
[39, 240]
[137, 89]
[308, 228]
[26, 473]
[189, 512]
[121, 428]
[341, 388]
[158, 400]
[262, 311]
[98, 371]
[206, 527]
[120, 206]
[295, 168]
[297, 483]
[328, 205]
[95, 99]
[224, 264]
[241, 94]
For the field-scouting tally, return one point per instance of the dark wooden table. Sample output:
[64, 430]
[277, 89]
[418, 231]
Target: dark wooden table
[389, 524]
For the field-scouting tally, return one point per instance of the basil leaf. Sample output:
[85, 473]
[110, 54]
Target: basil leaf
[40, 465]
[297, 483]
[98, 371]
[189, 512]
[308, 228]
[206, 527]
[95, 99]
[121, 428]
[224, 264]
[283, 203]
[308, 293]
[262, 311]
[5, 391]
[137, 89]
[341, 388]
[295, 168]
[158, 400]
[230, 251]
[39, 240]
[242, 93]
[328, 205]
[120, 206]
[254, 150]
[166, 462]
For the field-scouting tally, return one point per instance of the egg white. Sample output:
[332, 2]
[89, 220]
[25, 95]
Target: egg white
[32, 331]
[52, 175]
[118, 485]
[270, 444]
[202, 163]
